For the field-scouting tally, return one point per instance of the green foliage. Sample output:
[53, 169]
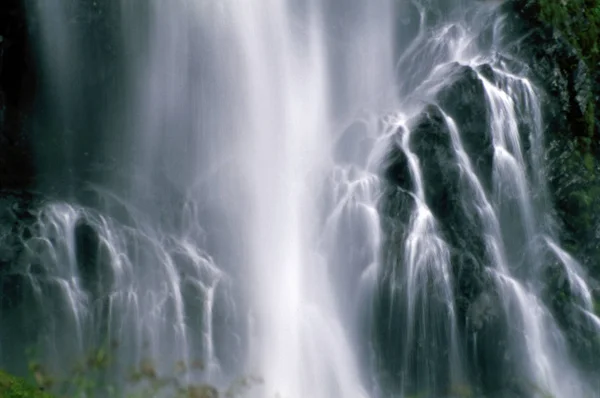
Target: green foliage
[461, 391]
[14, 387]
[579, 21]
[589, 117]
[85, 381]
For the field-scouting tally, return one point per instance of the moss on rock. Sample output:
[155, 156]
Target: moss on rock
[578, 21]
[562, 40]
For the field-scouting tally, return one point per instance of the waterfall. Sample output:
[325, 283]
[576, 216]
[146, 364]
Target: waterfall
[467, 208]
[278, 198]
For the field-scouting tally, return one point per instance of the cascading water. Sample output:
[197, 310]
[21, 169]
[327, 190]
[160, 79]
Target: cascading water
[467, 215]
[217, 236]
[261, 193]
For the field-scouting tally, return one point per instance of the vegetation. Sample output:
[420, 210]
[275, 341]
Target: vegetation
[579, 22]
[14, 387]
[86, 380]
[461, 391]
[573, 144]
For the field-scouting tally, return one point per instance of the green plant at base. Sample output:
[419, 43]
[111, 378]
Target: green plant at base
[14, 387]
[461, 391]
[144, 380]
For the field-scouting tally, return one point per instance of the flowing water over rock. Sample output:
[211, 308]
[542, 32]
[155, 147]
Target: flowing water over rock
[331, 198]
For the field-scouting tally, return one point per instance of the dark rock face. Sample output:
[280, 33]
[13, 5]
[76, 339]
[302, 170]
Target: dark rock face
[572, 131]
[430, 141]
[464, 101]
[93, 261]
[477, 306]
[570, 89]
[17, 217]
[571, 117]
[17, 88]
[578, 327]
[33, 124]
[80, 98]
[571, 171]
[395, 209]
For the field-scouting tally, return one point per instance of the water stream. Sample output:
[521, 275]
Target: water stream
[333, 199]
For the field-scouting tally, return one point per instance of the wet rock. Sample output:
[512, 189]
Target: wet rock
[486, 71]
[571, 126]
[567, 308]
[396, 171]
[447, 193]
[95, 273]
[464, 100]
[431, 143]
[395, 208]
[18, 212]
[483, 311]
